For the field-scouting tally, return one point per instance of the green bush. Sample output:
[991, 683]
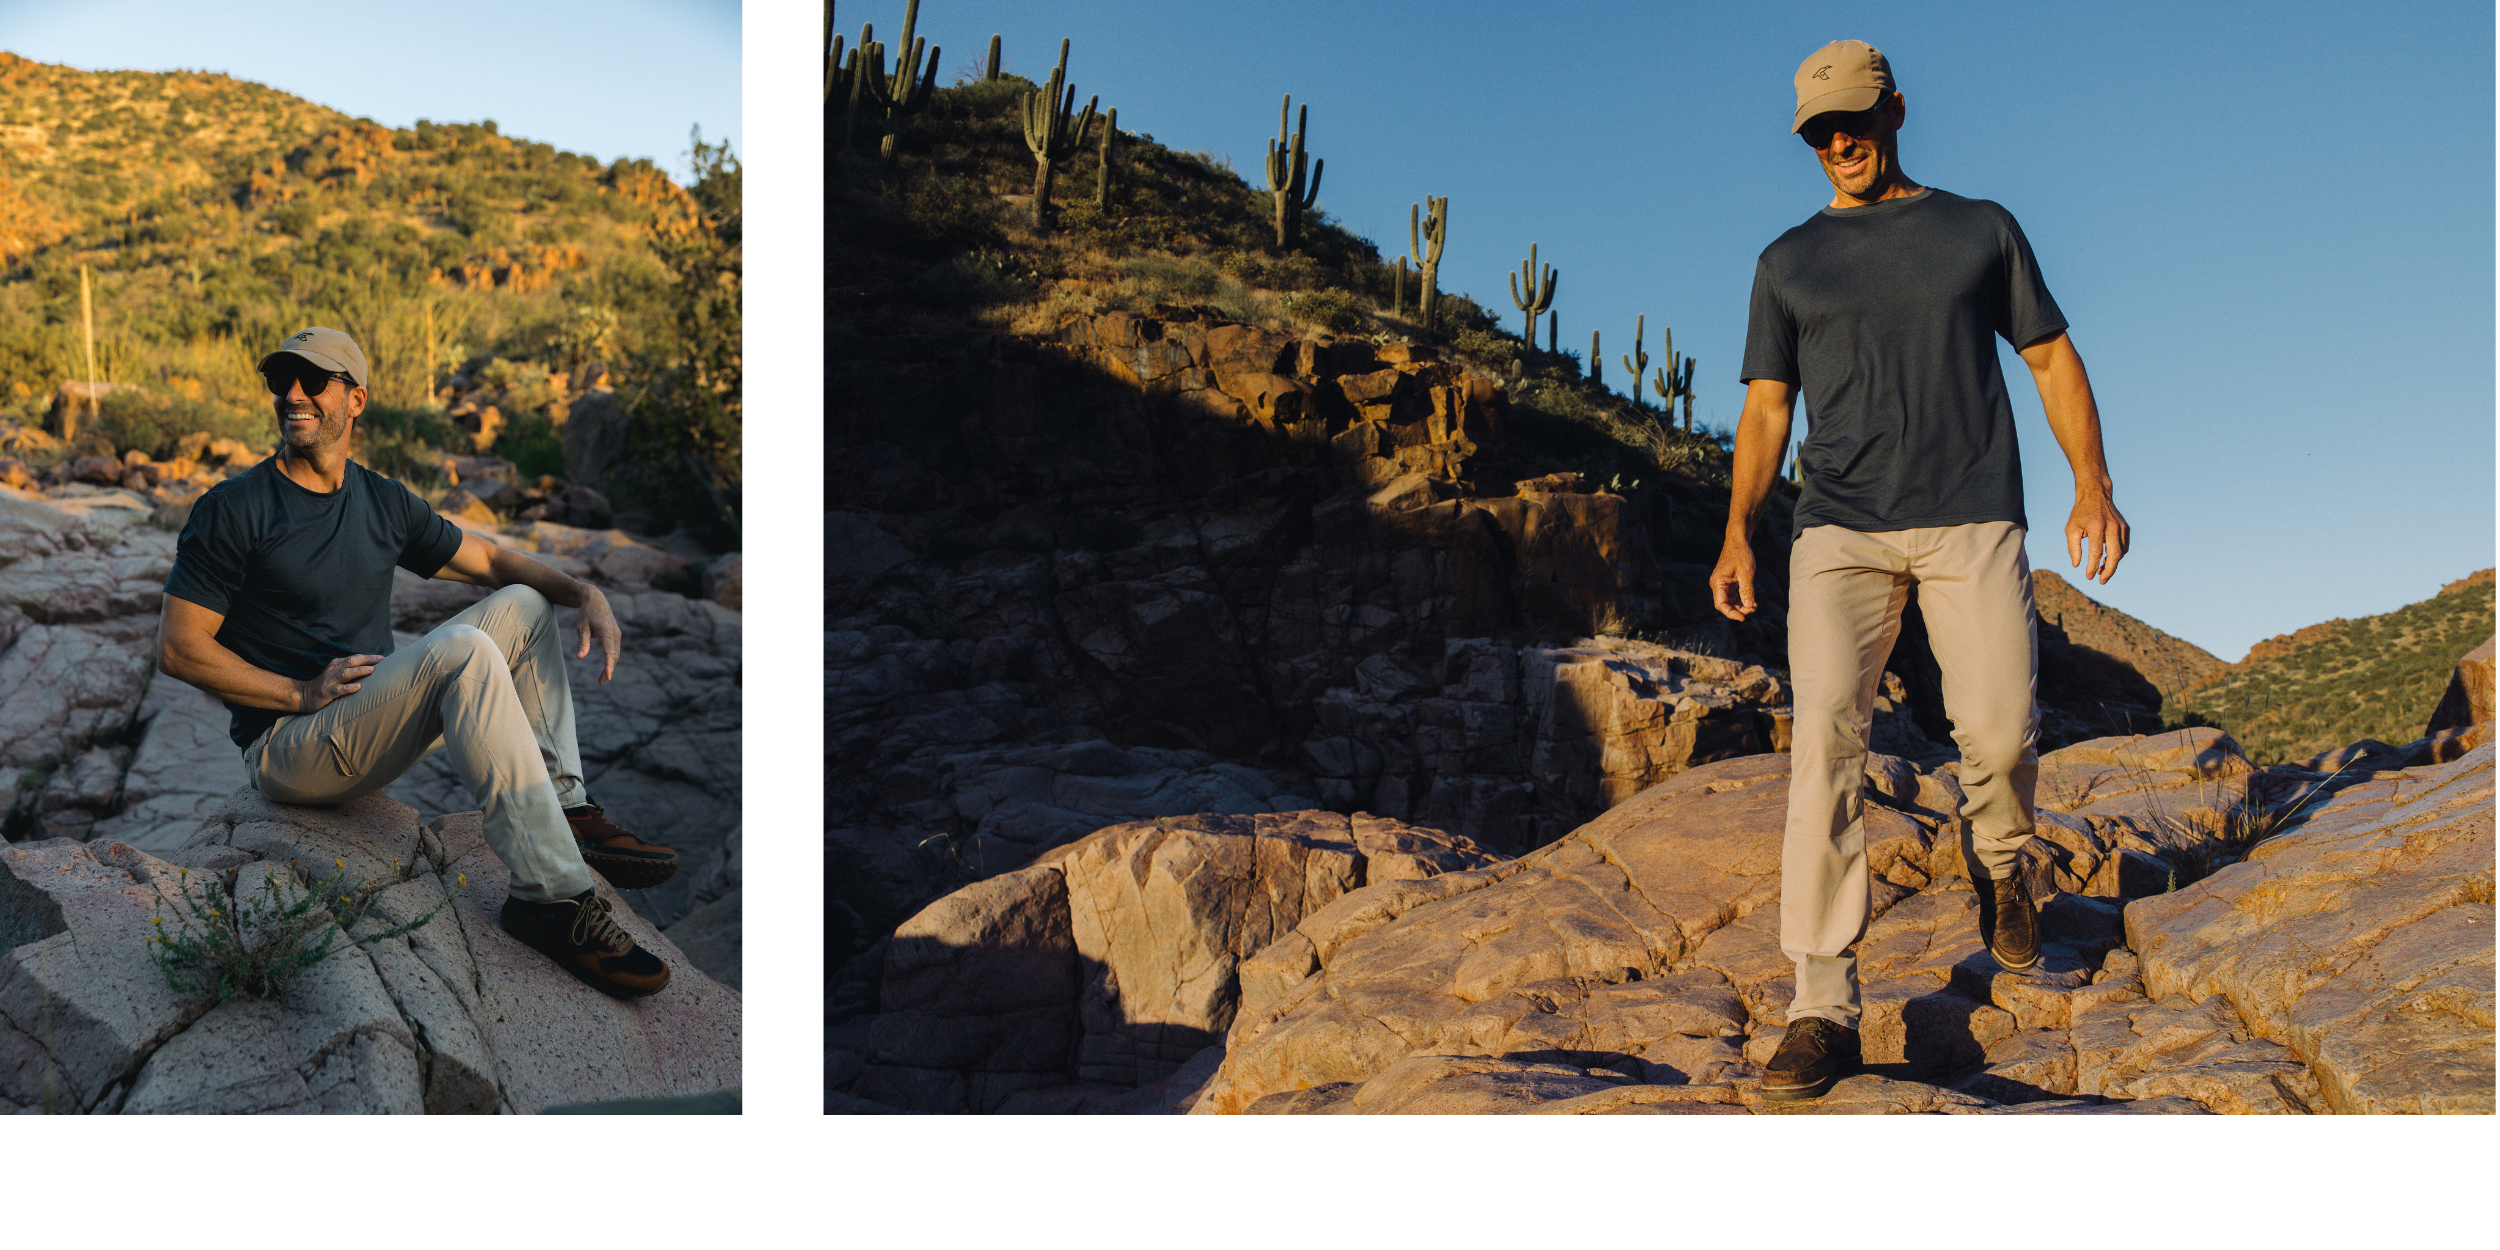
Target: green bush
[531, 443]
[153, 422]
[1331, 310]
[249, 945]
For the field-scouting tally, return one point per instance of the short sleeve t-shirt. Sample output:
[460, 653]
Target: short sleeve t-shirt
[1885, 316]
[303, 577]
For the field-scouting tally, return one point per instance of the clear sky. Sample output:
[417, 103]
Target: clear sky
[615, 79]
[2271, 225]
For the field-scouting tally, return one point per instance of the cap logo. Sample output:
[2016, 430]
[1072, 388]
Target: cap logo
[301, 337]
[1825, 72]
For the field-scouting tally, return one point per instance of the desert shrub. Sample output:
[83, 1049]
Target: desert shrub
[531, 443]
[249, 944]
[1332, 310]
[982, 278]
[401, 442]
[152, 422]
[1485, 346]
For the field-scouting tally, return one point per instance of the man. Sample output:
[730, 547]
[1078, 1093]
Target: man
[1884, 308]
[279, 604]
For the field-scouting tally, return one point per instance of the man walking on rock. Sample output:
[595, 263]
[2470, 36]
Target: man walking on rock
[279, 604]
[1884, 308]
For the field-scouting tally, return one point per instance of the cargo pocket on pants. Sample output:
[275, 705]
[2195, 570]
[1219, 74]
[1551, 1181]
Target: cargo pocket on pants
[339, 757]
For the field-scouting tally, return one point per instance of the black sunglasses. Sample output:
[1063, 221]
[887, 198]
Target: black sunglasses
[1819, 129]
[312, 377]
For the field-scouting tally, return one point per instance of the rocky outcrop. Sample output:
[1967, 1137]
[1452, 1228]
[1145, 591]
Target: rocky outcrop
[454, 1017]
[2359, 940]
[2462, 721]
[1641, 951]
[1100, 977]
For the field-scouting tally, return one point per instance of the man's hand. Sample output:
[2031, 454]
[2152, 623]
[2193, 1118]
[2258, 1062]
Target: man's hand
[2095, 529]
[598, 620]
[1731, 584]
[337, 680]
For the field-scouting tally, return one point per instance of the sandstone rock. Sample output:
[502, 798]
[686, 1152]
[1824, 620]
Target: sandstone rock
[2395, 877]
[1131, 940]
[463, 504]
[2466, 705]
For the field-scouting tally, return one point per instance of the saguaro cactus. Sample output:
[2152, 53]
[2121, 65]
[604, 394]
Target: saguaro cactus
[1538, 297]
[1052, 131]
[1597, 361]
[855, 80]
[1102, 166]
[1638, 359]
[1675, 378]
[905, 91]
[833, 54]
[1284, 174]
[989, 72]
[1397, 289]
[1425, 234]
[1553, 333]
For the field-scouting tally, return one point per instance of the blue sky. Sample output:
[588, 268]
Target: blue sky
[616, 79]
[2271, 225]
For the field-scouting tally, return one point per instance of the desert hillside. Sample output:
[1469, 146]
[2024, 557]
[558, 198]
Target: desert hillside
[2340, 681]
[194, 219]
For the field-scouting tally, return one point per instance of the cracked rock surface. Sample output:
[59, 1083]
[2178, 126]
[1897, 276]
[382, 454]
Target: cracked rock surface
[1102, 977]
[95, 744]
[453, 1017]
[2342, 965]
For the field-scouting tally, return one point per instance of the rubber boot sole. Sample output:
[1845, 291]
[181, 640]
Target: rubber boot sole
[1801, 1093]
[625, 870]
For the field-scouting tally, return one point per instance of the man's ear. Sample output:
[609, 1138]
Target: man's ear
[357, 398]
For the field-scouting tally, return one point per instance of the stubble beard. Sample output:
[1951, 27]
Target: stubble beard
[1870, 175]
[327, 427]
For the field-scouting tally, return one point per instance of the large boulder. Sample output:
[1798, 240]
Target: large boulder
[453, 1017]
[594, 440]
[1114, 961]
[2462, 721]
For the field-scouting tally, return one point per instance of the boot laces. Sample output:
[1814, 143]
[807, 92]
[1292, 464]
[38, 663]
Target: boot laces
[592, 926]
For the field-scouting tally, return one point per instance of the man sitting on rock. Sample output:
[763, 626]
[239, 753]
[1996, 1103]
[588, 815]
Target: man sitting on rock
[1885, 307]
[279, 604]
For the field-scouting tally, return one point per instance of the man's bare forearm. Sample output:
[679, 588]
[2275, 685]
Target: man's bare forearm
[511, 568]
[2074, 416]
[1761, 435]
[222, 673]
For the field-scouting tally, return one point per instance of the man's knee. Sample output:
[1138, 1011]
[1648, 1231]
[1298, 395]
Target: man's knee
[458, 647]
[525, 601]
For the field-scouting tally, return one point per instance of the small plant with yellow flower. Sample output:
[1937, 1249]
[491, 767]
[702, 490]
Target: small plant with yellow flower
[236, 943]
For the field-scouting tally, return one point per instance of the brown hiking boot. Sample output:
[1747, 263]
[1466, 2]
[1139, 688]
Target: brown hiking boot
[628, 862]
[583, 939]
[1815, 1053]
[2009, 925]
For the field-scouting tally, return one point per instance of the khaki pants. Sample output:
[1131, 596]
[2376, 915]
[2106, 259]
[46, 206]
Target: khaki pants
[1846, 592]
[487, 685]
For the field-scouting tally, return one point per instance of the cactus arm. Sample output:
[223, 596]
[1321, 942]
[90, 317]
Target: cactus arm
[991, 73]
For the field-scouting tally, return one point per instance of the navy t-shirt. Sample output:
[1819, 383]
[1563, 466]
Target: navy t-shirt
[1886, 316]
[301, 577]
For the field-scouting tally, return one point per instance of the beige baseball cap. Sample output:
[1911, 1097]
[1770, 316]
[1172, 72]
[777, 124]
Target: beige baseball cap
[328, 348]
[1842, 76]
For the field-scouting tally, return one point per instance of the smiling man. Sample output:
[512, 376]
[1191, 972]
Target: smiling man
[1884, 308]
[279, 604]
